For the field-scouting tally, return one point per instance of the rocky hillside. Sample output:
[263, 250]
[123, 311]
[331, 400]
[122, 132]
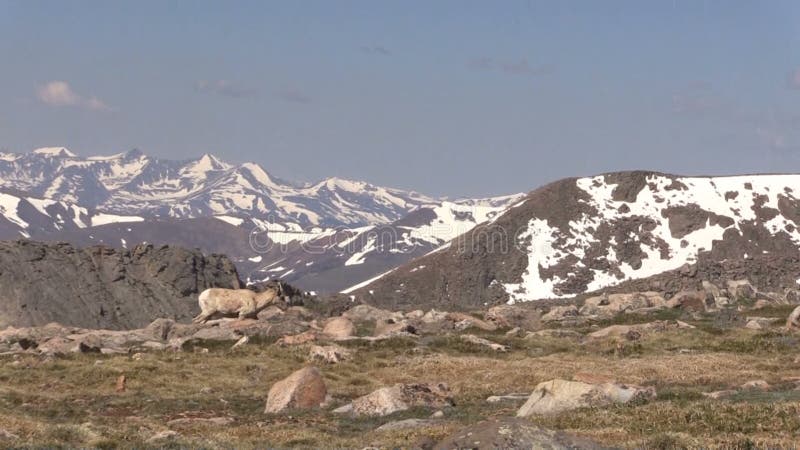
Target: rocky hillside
[587, 234]
[102, 287]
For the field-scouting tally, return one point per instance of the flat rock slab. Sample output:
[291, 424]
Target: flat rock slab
[509, 433]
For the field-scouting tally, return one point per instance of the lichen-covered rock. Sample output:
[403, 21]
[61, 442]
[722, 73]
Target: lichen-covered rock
[388, 400]
[555, 396]
[302, 389]
[339, 328]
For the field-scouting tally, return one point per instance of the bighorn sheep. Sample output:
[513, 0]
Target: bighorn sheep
[243, 302]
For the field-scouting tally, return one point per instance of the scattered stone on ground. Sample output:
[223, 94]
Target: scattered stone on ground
[302, 389]
[555, 396]
[508, 433]
[391, 399]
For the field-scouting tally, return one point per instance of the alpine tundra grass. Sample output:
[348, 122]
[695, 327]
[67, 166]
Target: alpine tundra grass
[73, 401]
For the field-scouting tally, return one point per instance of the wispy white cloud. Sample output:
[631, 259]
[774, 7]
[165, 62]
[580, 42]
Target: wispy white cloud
[60, 93]
[225, 88]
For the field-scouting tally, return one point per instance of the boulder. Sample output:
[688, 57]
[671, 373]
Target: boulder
[741, 290]
[559, 313]
[339, 328]
[400, 397]
[694, 301]
[270, 313]
[508, 433]
[555, 396]
[302, 389]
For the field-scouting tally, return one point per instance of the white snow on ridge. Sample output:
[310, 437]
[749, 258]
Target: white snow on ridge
[708, 194]
[54, 151]
[366, 282]
[235, 221]
[104, 219]
[8, 208]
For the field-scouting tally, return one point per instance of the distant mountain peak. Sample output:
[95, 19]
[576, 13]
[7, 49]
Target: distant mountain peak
[54, 152]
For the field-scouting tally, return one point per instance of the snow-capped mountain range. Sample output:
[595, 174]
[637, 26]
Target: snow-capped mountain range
[133, 183]
[325, 237]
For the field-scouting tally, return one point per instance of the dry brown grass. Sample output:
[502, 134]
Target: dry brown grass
[71, 402]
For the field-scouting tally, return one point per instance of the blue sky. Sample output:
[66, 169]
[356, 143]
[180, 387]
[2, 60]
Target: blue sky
[453, 98]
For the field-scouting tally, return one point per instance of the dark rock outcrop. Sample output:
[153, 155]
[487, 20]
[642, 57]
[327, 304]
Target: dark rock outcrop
[102, 287]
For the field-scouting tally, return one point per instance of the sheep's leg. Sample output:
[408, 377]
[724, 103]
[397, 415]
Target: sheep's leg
[245, 313]
[202, 317]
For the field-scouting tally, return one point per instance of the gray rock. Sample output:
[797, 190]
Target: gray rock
[508, 433]
[555, 396]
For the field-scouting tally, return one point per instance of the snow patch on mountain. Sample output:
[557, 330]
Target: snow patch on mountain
[727, 203]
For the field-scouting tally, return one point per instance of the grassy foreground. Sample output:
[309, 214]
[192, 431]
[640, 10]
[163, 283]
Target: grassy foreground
[73, 401]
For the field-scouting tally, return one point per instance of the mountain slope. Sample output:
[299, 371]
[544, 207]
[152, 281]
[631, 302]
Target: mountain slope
[584, 234]
[136, 184]
[318, 259]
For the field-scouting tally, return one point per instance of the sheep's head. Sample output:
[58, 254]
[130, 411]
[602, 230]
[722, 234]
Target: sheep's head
[267, 297]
